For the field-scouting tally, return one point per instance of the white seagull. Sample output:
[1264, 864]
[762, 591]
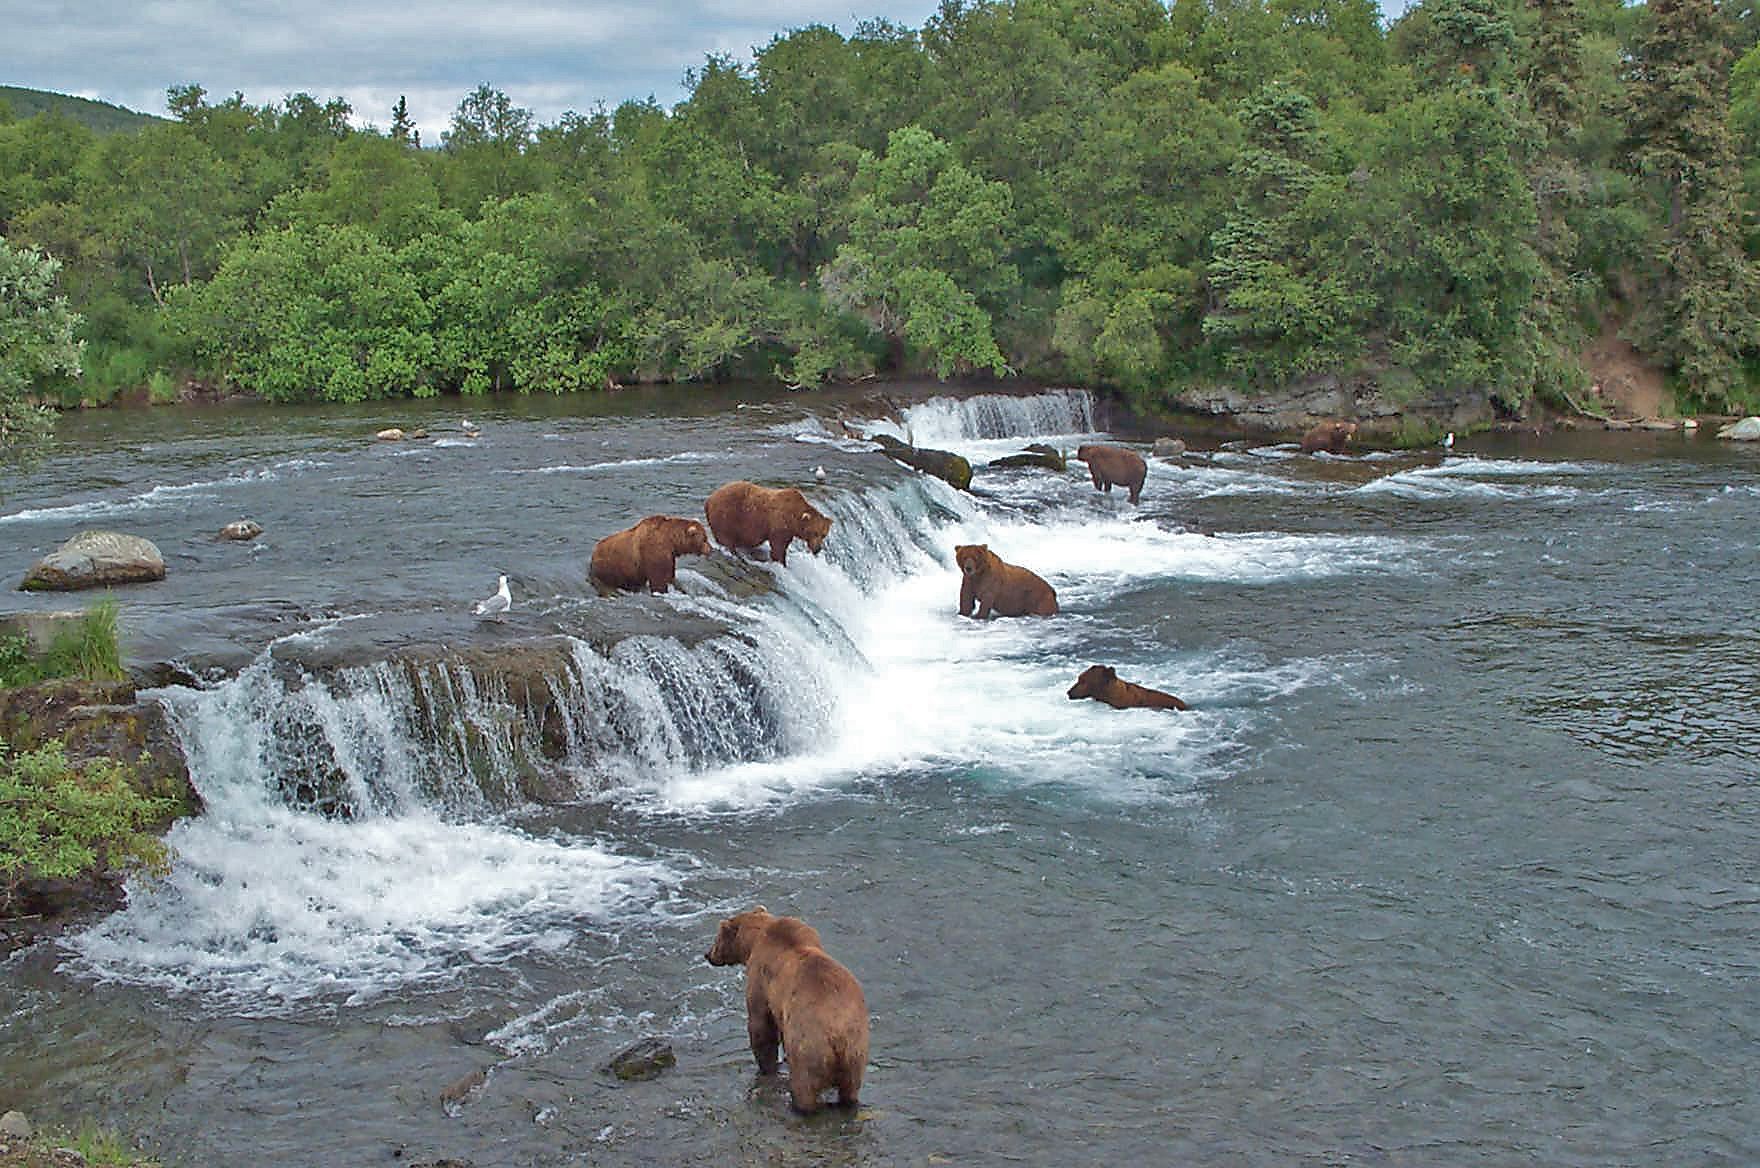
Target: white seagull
[819, 473]
[469, 427]
[497, 604]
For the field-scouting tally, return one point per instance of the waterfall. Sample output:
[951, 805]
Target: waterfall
[466, 734]
[947, 421]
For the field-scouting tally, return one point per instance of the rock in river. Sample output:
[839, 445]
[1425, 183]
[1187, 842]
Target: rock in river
[93, 559]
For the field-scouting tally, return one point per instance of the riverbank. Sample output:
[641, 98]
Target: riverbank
[23, 1146]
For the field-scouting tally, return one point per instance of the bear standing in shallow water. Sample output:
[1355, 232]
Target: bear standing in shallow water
[646, 555]
[798, 995]
[1330, 436]
[993, 586]
[1114, 464]
[1102, 683]
[745, 515]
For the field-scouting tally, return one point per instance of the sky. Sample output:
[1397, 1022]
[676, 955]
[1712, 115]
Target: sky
[549, 56]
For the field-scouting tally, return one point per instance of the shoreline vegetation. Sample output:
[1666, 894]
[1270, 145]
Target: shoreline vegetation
[84, 1146]
[1477, 213]
[84, 792]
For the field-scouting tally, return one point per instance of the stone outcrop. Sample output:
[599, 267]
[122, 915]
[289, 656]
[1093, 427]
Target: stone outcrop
[94, 559]
[1746, 430]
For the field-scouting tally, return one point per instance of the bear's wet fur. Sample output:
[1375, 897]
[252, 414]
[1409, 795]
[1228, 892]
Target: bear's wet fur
[995, 587]
[801, 997]
[745, 515]
[1102, 683]
[646, 555]
[1330, 436]
[1108, 465]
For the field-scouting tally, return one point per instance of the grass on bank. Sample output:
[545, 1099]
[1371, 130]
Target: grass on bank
[96, 1148]
[90, 648]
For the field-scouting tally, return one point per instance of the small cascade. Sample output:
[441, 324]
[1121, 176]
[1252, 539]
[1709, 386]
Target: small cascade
[472, 733]
[947, 421]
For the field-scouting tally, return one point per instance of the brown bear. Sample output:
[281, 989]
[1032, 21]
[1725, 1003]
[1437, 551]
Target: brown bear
[1114, 464]
[1102, 683]
[646, 555]
[1330, 435]
[994, 586]
[745, 515]
[797, 994]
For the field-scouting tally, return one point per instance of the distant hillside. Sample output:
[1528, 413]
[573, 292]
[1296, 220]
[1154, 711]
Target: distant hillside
[100, 116]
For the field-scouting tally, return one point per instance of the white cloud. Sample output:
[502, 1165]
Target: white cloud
[549, 56]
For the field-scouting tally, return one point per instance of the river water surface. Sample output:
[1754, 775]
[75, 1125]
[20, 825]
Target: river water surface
[1454, 859]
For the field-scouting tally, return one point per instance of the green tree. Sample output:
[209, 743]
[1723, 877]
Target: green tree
[37, 346]
[1282, 307]
[1701, 313]
[403, 127]
[326, 314]
[926, 258]
[485, 148]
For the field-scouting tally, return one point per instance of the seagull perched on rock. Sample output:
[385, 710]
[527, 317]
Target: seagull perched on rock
[819, 473]
[1448, 442]
[497, 604]
[469, 427]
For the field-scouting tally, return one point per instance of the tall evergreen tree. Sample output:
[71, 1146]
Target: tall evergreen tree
[403, 127]
[1701, 315]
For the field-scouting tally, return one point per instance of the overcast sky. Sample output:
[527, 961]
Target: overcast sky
[549, 56]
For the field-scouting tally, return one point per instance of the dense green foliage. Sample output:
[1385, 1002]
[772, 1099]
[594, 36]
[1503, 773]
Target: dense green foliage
[58, 820]
[37, 347]
[1123, 193]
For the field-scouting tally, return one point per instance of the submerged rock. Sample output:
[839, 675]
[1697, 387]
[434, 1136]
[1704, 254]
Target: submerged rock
[241, 530]
[93, 559]
[647, 1059]
[1746, 430]
[1168, 447]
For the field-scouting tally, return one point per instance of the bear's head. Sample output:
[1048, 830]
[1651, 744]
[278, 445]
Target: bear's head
[736, 936]
[974, 559]
[812, 528]
[1094, 679]
[689, 538]
[1345, 432]
[1082, 452]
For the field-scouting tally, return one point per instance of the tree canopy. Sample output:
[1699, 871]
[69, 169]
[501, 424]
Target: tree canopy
[1123, 193]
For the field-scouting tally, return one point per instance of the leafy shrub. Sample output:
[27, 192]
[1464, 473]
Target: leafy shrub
[58, 820]
[162, 388]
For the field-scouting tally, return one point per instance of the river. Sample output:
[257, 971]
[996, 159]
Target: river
[1454, 859]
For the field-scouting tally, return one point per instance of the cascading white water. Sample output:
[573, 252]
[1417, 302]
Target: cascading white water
[948, 421]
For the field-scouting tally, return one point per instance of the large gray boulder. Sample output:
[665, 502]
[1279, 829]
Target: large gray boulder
[1746, 430]
[94, 559]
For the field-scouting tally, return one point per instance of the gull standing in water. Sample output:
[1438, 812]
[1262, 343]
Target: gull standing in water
[1448, 442]
[497, 604]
